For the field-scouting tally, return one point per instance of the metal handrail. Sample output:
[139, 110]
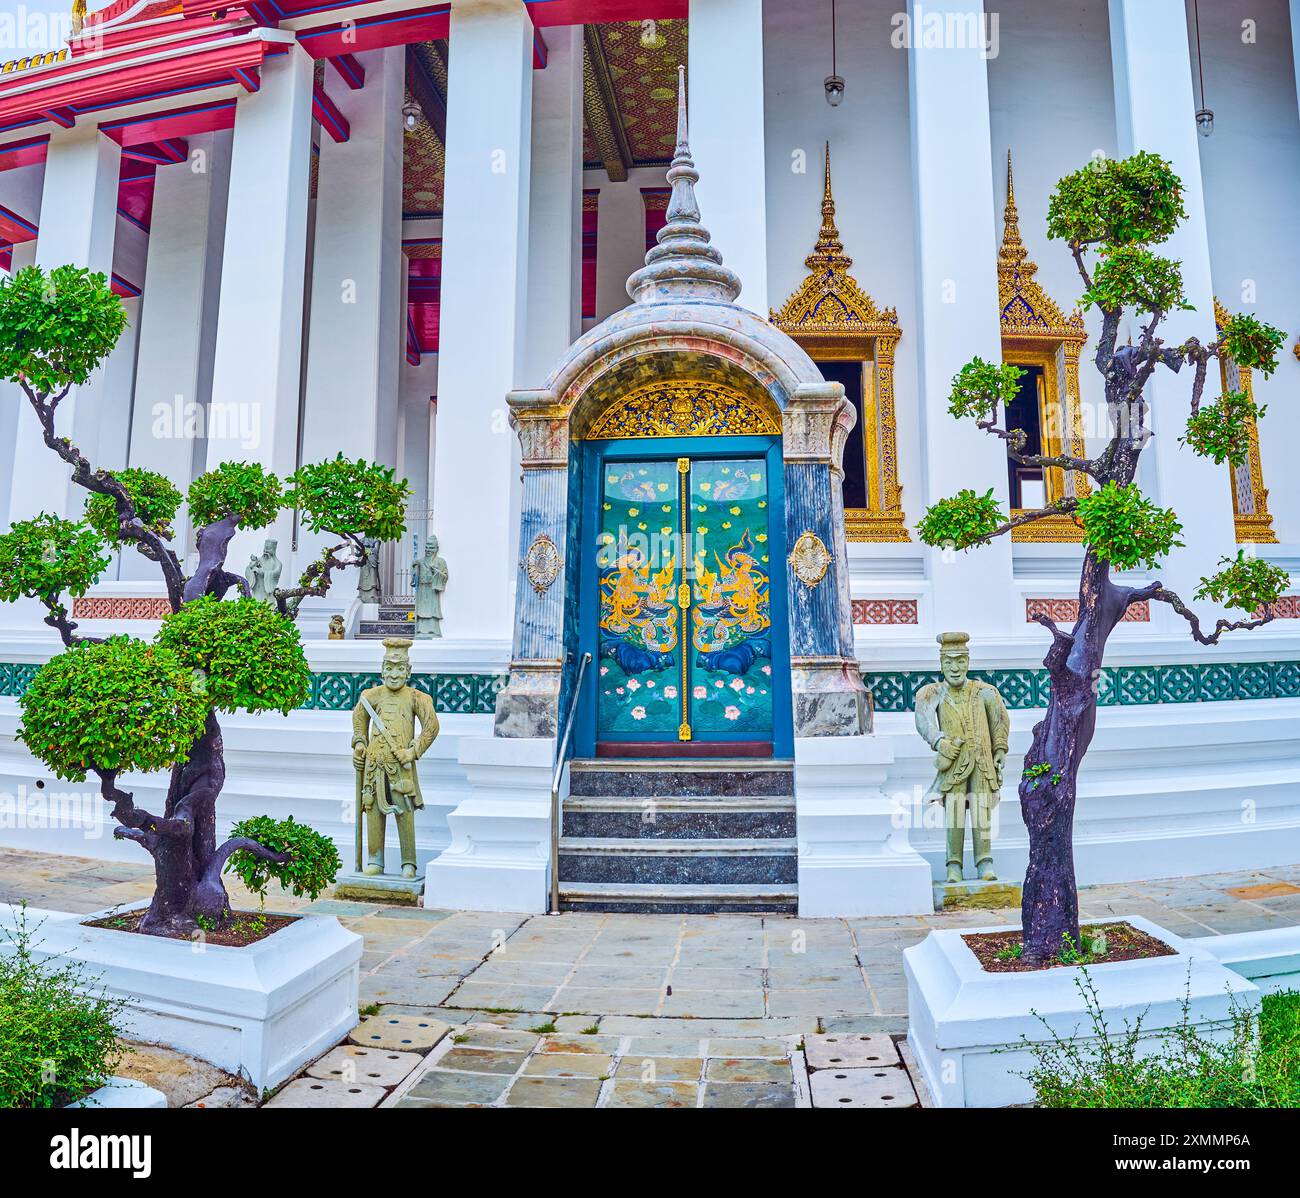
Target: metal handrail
[560, 752]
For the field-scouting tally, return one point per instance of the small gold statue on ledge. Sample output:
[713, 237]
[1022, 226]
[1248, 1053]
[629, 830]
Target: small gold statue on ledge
[966, 723]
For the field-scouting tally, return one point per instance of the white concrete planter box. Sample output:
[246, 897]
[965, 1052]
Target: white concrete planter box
[967, 1027]
[261, 1011]
[123, 1093]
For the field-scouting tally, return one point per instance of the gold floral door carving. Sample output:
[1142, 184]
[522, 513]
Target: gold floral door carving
[1250, 514]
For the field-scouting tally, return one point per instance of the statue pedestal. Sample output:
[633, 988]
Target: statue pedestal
[975, 894]
[379, 888]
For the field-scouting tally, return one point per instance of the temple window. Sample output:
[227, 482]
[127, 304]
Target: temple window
[1039, 338]
[853, 342]
[1250, 513]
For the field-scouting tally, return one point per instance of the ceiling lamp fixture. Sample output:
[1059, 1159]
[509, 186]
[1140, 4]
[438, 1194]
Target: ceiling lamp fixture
[1204, 115]
[411, 115]
[834, 82]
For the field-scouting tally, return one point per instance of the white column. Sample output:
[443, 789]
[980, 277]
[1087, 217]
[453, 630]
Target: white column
[555, 206]
[77, 224]
[258, 355]
[727, 136]
[1155, 110]
[12, 401]
[181, 283]
[484, 288]
[1295, 42]
[957, 293]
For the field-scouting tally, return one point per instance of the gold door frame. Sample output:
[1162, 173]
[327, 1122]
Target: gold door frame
[1254, 526]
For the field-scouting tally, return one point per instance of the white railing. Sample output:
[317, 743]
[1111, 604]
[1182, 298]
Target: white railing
[396, 558]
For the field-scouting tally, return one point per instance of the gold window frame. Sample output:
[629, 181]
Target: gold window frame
[834, 320]
[1253, 526]
[1035, 332]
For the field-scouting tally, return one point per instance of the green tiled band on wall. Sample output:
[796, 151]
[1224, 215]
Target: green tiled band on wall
[1125, 686]
[453, 694]
[1120, 686]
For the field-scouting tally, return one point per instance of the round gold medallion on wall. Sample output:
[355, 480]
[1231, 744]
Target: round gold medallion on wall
[542, 563]
[810, 559]
[685, 409]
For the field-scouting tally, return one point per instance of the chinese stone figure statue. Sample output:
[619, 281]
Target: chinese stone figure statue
[264, 571]
[385, 747]
[368, 576]
[336, 628]
[966, 724]
[430, 580]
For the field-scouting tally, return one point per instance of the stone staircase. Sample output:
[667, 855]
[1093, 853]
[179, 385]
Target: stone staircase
[655, 836]
[395, 619]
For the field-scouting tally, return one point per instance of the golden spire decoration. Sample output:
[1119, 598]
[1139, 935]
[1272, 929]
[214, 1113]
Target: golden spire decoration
[829, 250]
[78, 16]
[1012, 253]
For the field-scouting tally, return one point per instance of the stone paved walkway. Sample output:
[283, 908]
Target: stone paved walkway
[475, 1008]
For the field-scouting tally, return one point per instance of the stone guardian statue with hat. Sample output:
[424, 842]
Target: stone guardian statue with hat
[966, 723]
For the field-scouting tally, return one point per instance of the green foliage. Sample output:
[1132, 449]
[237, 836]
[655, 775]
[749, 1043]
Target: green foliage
[1246, 583]
[1251, 343]
[245, 490]
[243, 653]
[1254, 1066]
[121, 704]
[1117, 202]
[58, 1034]
[1133, 277]
[980, 386]
[313, 859]
[1125, 528]
[964, 520]
[350, 497]
[156, 501]
[1221, 430]
[56, 328]
[46, 556]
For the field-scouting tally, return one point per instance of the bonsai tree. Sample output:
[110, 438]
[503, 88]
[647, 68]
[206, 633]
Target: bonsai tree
[107, 707]
[1110, 214]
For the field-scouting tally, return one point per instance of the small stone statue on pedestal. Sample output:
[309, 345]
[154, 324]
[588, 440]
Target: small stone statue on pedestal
[385, 748]
[966, 723]
[336, 628]
[430, 578]
[264, 571]
[368, 575]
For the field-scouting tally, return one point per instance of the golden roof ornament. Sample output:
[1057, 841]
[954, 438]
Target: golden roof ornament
[78, 16]
[1025, 307]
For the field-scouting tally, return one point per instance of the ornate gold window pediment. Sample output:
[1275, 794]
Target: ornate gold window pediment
[685, 408]
[1037, 333]
[835, 321]
[1250, 514]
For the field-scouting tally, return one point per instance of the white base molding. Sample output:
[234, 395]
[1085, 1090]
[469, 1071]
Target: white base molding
[968, 1028]
[499, 856]
[262, 1011]
[123, 1093]
[854, 855]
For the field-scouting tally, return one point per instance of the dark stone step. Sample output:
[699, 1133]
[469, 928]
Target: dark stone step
[680, 824]
[696, 867]
[685, 780]
[681, 906]
[375, 629]
[395, 611]
[679, 900]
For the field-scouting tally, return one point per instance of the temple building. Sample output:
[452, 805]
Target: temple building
[665, 355]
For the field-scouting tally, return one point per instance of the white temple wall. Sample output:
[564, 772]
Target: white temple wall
[620, 234]
[1251, 170]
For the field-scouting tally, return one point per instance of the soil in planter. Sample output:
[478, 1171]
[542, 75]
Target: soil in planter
[1124, 942]
[247, 927]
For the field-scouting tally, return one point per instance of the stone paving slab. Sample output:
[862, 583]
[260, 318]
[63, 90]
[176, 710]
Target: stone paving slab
[320, 1092]
[569, 1064]
[839, 1051]
[628, 1092]
[482, 1060]
[725, 1094]
[655, 1069]
[405, 1033]
[554, 1092]
[369, 1066]
[733, 1069]
[887, 1087]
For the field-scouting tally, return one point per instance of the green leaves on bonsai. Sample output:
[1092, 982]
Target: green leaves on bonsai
[47, 556]
[313, 859]
[1249, 584]
[964, 520]
[1221, 430]
[1117, 202]
[358, 497]
[245, 490]
[1251, 342]
[120, 704]
[1132, 277]
[57, 327]
[242, 654]
[1125, 528]
[980, 386]
[156, 501]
